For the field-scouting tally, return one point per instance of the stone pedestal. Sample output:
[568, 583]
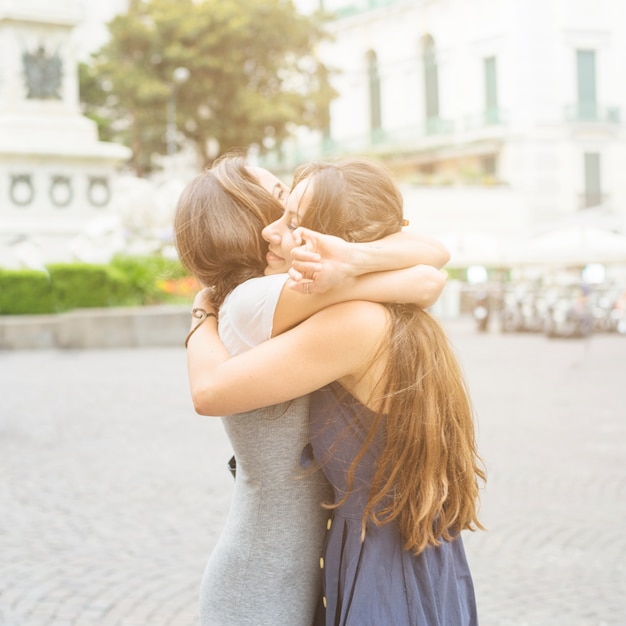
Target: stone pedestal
[55, 176]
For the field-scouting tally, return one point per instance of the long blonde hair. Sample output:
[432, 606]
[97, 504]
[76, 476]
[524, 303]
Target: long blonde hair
[218, 222]
[427, 476]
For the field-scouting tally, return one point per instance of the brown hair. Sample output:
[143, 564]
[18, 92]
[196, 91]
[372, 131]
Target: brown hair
[218, 223]
[427, 476]
[354, 199]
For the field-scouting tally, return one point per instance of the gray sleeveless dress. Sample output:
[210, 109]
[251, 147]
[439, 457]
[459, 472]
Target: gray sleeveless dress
[264, 570]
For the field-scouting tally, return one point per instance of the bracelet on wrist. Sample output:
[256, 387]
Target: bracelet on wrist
[200, 314]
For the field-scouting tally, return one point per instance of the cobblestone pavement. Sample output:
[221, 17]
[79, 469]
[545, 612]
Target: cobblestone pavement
[113, 492]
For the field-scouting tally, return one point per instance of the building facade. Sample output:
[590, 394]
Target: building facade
[457, 95]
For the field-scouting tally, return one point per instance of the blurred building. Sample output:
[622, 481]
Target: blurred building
[516, 106]
[56, 177]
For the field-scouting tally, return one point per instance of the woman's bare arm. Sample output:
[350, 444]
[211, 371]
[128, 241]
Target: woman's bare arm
[399, 268]
[420, 285]
[338, 342]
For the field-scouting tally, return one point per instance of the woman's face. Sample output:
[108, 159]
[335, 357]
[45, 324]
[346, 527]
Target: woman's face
[279, 234]
[272, 184]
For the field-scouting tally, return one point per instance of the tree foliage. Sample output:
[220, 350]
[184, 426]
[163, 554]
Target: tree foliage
[252, 75]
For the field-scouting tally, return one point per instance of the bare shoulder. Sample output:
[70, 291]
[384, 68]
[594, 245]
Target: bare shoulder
[361, 331]
[355, 317]
[362, 311]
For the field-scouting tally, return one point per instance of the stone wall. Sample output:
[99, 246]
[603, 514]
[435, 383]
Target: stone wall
[128, 327]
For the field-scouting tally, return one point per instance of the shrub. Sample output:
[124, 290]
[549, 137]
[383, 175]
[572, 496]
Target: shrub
[144, 275]
[82, 285]
[125, 281]
[25, 291]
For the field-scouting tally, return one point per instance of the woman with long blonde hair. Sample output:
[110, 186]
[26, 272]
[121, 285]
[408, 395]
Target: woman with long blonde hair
[391, 420]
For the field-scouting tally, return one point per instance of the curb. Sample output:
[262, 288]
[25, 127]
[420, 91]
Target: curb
[124, 327]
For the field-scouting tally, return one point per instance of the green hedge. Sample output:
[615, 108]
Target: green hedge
[82, 286]
[125, 281]
[143, 275]
[25, 291]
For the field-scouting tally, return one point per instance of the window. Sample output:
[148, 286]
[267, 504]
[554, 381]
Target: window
[374, 90]
[593, 187]
[491, 91]
[586, 80]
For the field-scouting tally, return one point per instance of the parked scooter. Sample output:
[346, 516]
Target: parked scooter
[523, 310]
[569, 315]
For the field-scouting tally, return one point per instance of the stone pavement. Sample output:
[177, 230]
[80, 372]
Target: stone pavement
[113, 492]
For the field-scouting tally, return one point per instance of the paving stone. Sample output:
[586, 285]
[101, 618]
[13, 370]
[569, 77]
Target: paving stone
[113, 491]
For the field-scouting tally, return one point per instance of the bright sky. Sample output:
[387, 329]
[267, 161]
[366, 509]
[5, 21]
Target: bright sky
[92, 33]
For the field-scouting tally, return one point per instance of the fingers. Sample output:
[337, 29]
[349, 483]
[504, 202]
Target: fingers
[294, 275]
[301, 233]
[306, 269]
[302, 274]
[302, 253]
[204, 298]
[305, 287]
[207, 292]
[306, 237]
[305, 263]
[297, 237]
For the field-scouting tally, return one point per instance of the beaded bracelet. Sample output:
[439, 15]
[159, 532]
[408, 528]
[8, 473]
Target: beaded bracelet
[200, 314]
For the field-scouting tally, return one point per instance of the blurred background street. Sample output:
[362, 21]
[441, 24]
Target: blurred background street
[113, 492]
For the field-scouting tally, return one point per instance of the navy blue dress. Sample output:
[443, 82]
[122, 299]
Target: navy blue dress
[376, 582]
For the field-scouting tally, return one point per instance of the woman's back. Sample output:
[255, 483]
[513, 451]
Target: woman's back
[383, 465]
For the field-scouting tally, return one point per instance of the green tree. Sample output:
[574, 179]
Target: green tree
[94, 98]
[252, 69]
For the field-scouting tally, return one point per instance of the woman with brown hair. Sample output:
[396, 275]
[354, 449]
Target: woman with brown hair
[391, 420]
[264, 570]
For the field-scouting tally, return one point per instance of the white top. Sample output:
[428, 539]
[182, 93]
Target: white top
[247, 315]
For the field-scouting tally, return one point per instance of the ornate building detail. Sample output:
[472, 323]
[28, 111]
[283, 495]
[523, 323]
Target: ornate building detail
[22, 191]
[60, 191]
[56, 176]
[43, 74]
[98, 191]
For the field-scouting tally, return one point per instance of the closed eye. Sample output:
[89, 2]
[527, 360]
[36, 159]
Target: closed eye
[290, 219]
[280, 193]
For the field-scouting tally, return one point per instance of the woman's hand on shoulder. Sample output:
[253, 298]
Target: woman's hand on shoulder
[204, 300]
[320, 263]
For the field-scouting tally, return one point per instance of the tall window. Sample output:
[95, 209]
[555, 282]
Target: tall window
[491, 91]
[586, 74]
[374, 90]
[593, 185]
[431, 81]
